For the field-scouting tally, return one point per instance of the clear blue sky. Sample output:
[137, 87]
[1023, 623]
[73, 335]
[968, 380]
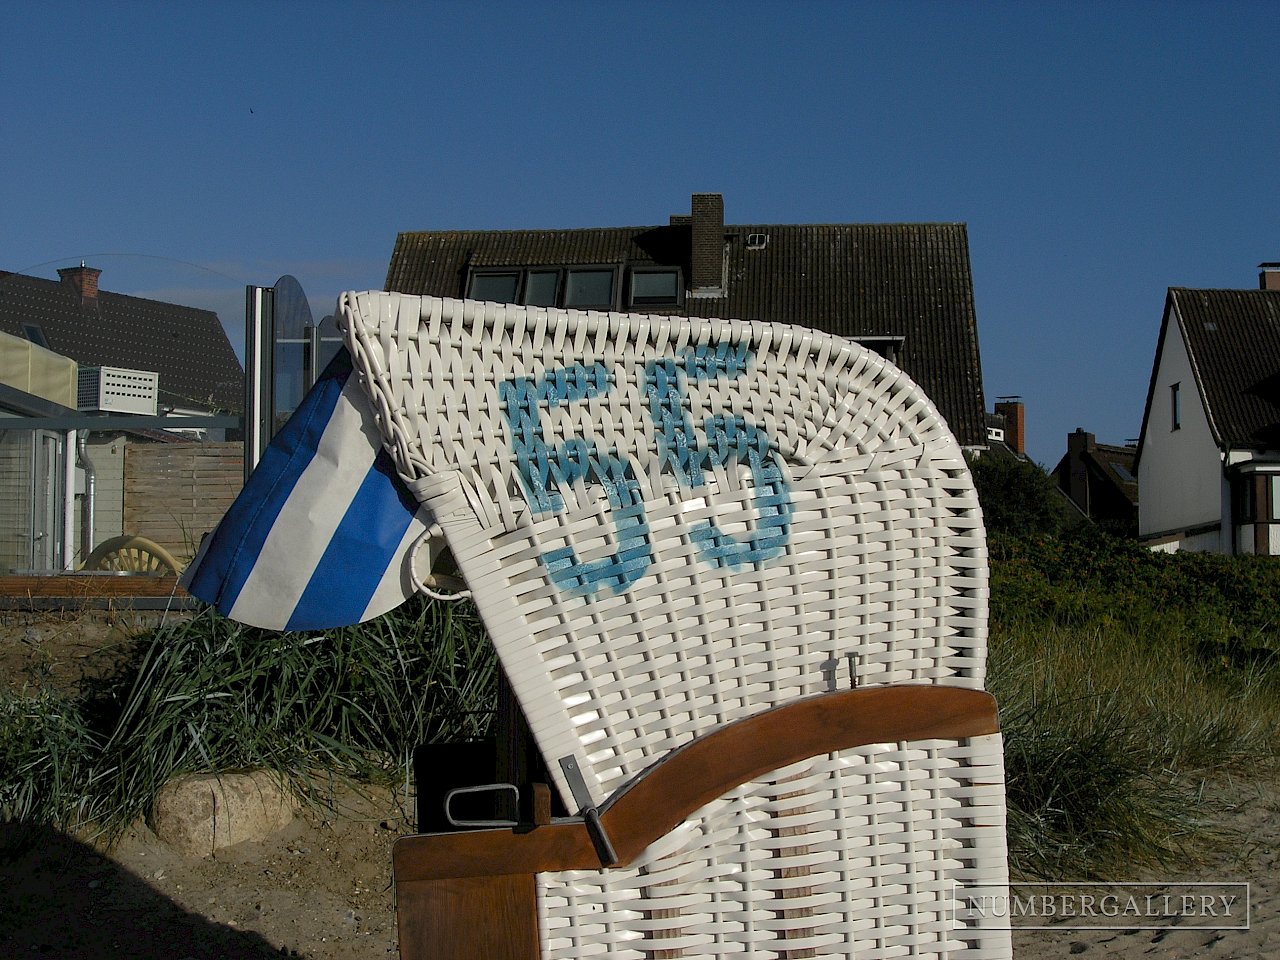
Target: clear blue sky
[1099, 153]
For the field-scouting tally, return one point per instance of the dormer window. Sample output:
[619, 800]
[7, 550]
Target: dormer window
[584, 288]
[498, 287]
[589, 288]
[542, 288]
[655, 288]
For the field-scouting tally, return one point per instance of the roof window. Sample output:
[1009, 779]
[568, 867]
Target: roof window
[35, 333]
[583, 288]
[655, 288]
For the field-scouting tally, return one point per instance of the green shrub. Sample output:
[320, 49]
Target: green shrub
[1018, 498]
[211, 694]
[1120, 694]
[44, 752]
[208, 694]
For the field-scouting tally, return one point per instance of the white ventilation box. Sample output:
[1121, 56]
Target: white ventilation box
[116, 390]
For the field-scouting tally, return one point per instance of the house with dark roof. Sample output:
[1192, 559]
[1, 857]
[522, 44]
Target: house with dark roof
[1101, 480]
[63, 488]
[1209, 453]
[903, 289]
[197, 369]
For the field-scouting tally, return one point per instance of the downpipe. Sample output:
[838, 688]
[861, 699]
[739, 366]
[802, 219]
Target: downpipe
[87, 505]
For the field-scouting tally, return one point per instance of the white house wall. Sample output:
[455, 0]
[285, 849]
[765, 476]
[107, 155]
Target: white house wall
[106, 450]
[1180, 473]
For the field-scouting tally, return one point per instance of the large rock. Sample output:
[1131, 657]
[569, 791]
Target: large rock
[199, 815]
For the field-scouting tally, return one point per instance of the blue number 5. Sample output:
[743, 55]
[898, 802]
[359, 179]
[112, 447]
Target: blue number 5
[731, 440]
[545, 470]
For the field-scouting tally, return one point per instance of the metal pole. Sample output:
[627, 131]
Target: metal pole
[259, 344]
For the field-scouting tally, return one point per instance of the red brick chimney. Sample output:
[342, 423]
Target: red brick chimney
[1269, 276]
[707, 267]
[1015, 430]
[84, 280]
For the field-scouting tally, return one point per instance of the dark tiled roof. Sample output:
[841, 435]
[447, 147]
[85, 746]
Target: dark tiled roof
[1233, 337]
[1113, 465]
[187, 347]
[1119, 465]
[861, 281]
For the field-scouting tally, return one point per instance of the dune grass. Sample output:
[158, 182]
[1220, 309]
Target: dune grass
[1126, 680]
[207, 694]
[1125, 684]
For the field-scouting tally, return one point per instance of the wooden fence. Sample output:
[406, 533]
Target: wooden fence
[174, 493]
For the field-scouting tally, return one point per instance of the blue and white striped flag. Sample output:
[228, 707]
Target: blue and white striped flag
[320, 535]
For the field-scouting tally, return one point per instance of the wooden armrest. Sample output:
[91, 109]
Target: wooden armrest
[473, 895]
[665, 794]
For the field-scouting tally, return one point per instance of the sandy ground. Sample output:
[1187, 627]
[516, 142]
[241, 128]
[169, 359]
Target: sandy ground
[1249, 853]
[321, 888]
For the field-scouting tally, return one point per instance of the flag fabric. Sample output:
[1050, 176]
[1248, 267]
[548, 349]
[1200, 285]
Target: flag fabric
[320, 535]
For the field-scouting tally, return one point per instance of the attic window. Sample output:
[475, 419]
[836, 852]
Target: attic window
[888, 347]
[757, 241]
[589, 288]
[541, 288]
[546, 286]
[35, 333]
[655, 288]
[1175, 403]
[497, 287]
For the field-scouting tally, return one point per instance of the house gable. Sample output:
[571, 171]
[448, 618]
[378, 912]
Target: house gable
[1179, 464]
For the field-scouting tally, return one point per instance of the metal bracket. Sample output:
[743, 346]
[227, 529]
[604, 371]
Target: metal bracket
[482, 788]
[587, 810]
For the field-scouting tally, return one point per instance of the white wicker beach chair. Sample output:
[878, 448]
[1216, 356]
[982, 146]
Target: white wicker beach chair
[736, 577]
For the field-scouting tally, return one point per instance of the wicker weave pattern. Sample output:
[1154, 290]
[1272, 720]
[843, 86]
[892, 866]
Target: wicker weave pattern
[855, 854]
[672, 524]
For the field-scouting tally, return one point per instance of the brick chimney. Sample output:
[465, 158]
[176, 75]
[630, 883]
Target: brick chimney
[1015, 430]
[1078, 444]
[84, 280]
[1269, 276]
[707, 267]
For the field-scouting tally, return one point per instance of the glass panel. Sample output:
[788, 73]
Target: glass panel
[497, 287]
[655, 287]
[589, 288]
[540, 291]
[1242, 498]
[1275, 498]
[1123, 473]
[292, 321]
[330, 342]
